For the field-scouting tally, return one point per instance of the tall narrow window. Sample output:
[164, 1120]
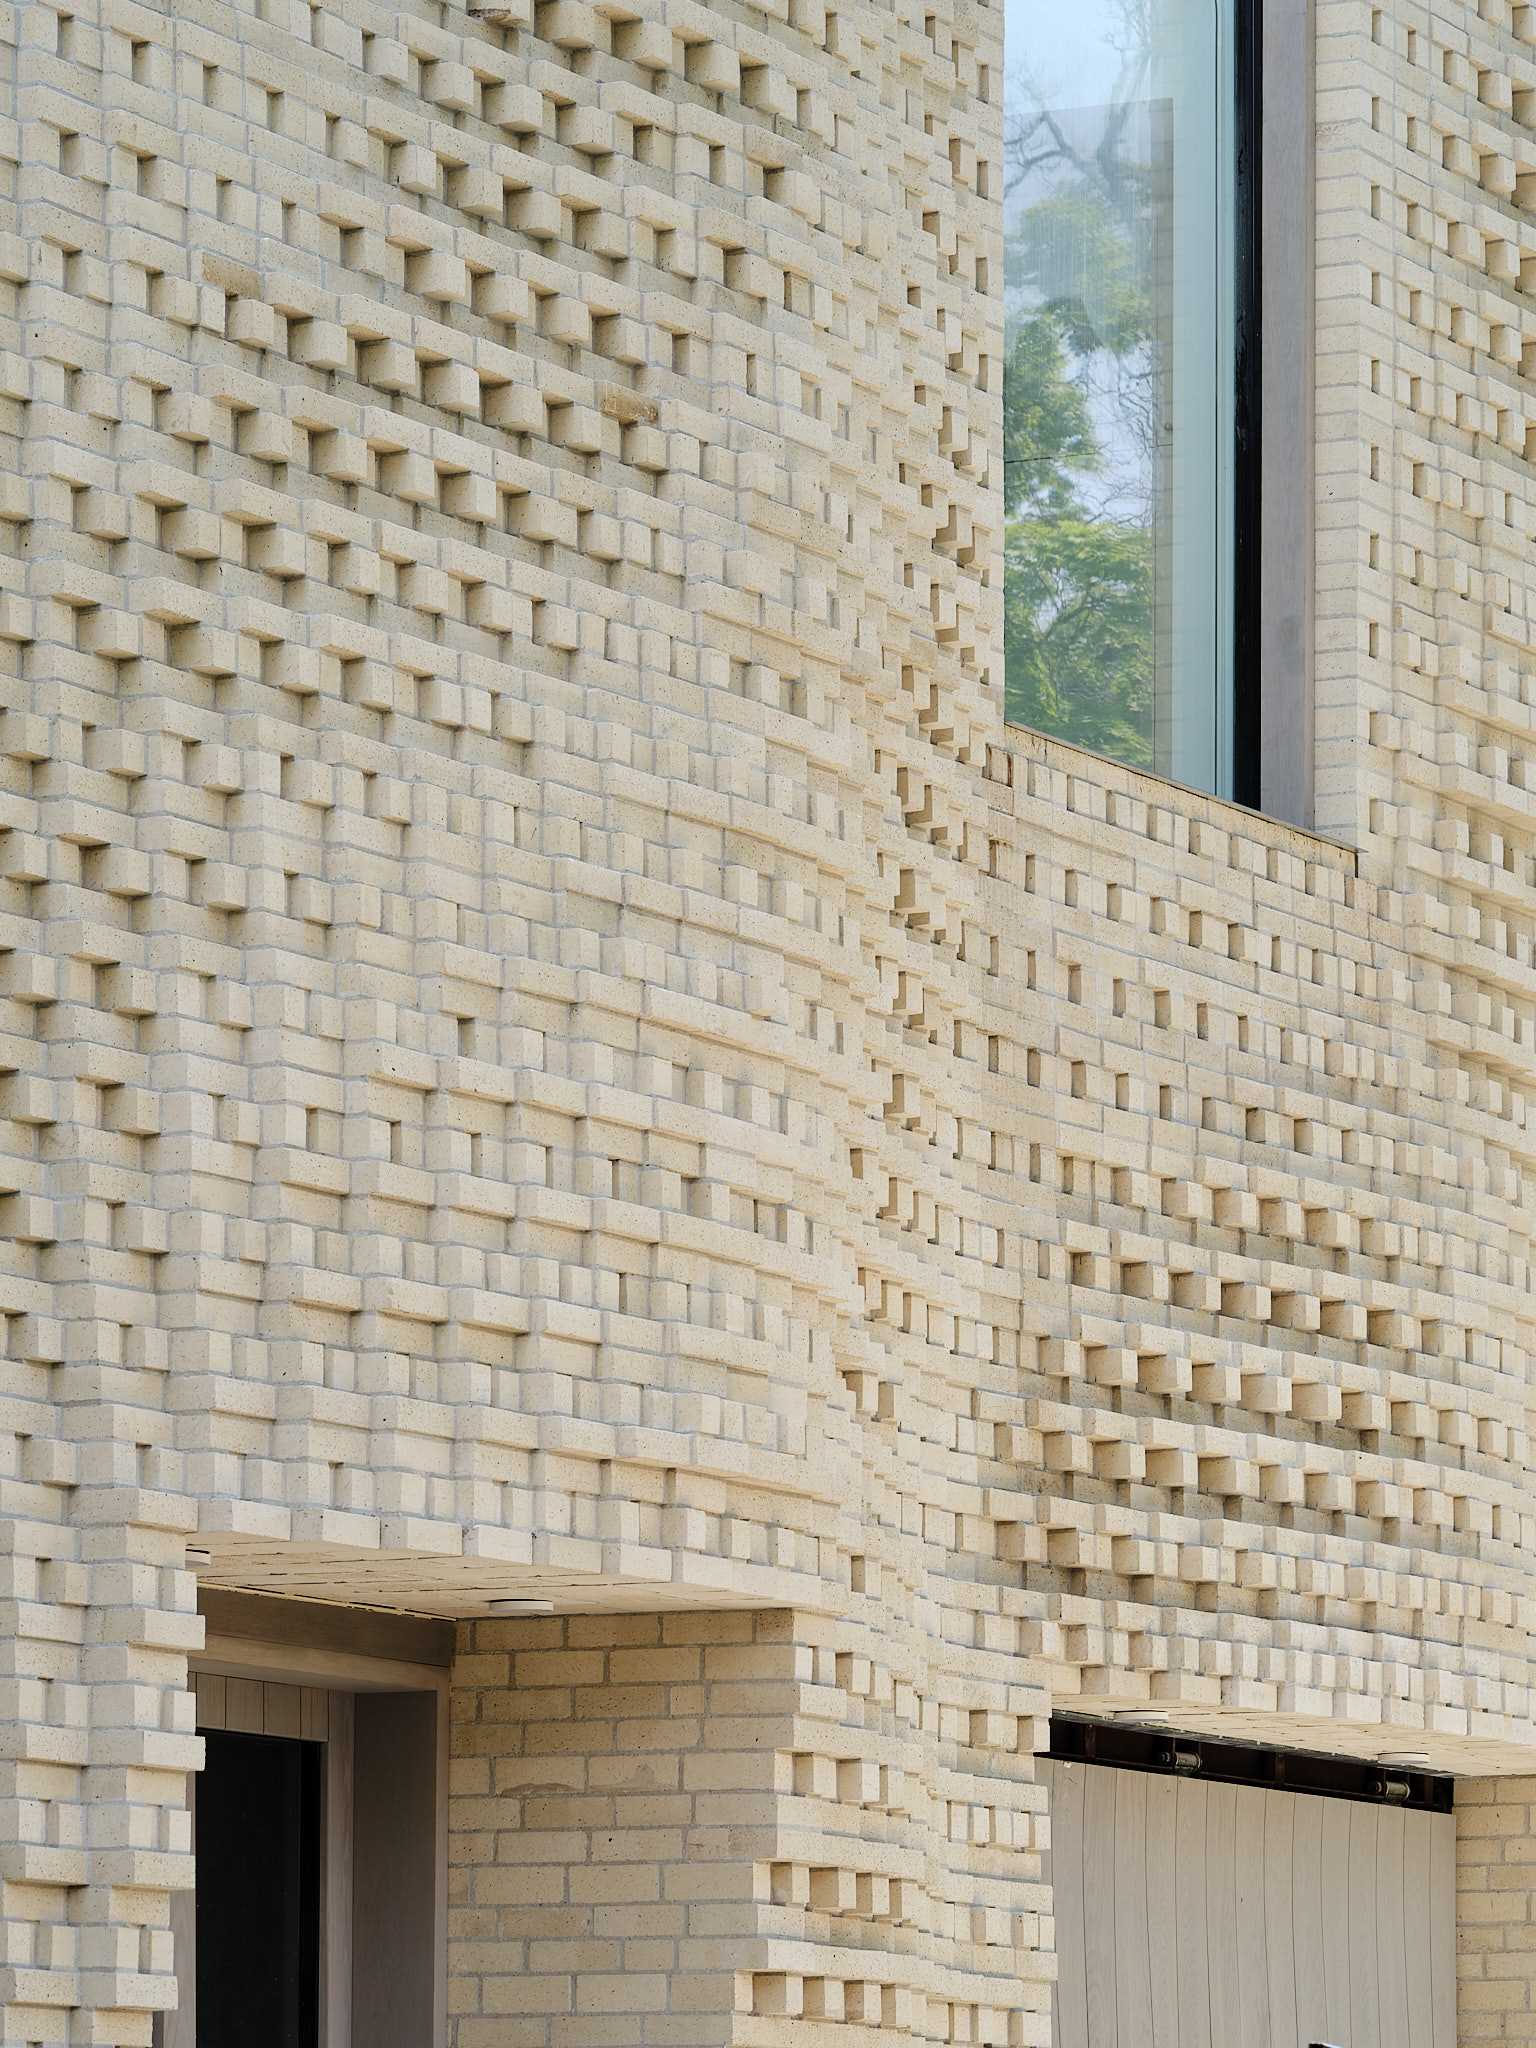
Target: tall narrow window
[1127, 255]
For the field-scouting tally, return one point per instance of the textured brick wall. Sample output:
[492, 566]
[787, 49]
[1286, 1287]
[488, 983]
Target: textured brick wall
[1271, 1457]
[549, 1040]
[1496, 1910]
[695, 1828]
[602, 1831]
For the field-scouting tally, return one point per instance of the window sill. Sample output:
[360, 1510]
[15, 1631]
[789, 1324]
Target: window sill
[1150, 787]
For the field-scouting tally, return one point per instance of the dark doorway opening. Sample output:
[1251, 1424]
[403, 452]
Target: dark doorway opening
[258, 1893]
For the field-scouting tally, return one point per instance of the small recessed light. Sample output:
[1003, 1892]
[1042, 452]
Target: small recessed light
[510, 1609]
[198, 1553]
[1141, 1714]
[1405, 1759]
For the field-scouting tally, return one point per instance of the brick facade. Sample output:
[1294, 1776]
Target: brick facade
[692, 1828]
[552, 1043]
[1496, 1910]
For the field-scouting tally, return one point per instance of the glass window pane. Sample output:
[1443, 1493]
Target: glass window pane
[1118, 384]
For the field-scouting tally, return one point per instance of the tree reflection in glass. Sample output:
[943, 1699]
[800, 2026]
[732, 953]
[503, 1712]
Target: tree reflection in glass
[1117, 377]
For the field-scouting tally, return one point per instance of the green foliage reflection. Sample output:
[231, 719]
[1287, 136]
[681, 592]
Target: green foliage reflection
[1077, 588]
[1081, 426]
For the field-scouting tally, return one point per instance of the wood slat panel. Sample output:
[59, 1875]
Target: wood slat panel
[1221, 1913]
[245, 1706]
[1442, 1926]
[1100, 1973]
[1162, 1907]
[209, 1689]
[1418, 1852]
[1067, 1784]
[1133, 1963]
[1334, 1889]
[282, 1711]
[1391, 1954]
[1364, 1976]
[1192, 1914]
[257, 1706]
[1279, 1907]
[1307, 1921]
[1248, 1850]
[1190, 1930]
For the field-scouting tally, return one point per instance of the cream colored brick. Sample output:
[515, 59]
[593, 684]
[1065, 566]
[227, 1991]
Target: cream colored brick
[937, 1201]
